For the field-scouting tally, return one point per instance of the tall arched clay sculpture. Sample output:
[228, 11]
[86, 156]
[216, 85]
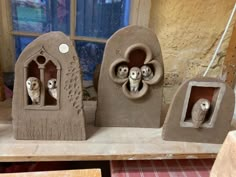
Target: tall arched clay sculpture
[130, 81]
[201, 111]
[47, 100]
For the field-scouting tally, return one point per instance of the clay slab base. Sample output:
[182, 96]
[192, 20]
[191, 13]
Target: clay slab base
[178, 124]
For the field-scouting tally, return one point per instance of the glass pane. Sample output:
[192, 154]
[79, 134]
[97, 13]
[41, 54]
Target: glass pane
[41, 15]
[20, 43]
[90, 54]
[101, 18]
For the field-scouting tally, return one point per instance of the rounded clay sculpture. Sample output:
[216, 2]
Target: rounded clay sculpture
[48, 99]
[201, 111]
[124, 91]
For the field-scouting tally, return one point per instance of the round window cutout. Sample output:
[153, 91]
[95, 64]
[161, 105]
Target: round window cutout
[40, 59]
[64, 48]
[137, 57]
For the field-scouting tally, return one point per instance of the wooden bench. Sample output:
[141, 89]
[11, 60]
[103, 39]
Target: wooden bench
[64, 173]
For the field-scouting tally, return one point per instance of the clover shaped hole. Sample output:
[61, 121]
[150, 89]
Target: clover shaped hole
[136, 57]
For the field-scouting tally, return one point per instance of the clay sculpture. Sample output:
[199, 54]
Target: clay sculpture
[47, 100]
[122, 72]
[147, 73]
[52, 88]
[33, 89]
[201, 111]
[126, 96]
[134, 79]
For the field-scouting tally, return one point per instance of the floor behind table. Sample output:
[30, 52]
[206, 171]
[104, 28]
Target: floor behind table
[162, 168]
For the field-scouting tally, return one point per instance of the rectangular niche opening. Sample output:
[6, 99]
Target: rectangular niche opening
[50, 74]
[32, 71]
[197, 91]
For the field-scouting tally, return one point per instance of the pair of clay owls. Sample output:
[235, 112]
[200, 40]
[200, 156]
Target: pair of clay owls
[33, 89]
[135, 75]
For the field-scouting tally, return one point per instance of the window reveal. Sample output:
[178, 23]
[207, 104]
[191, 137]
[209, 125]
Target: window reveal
[47, 70]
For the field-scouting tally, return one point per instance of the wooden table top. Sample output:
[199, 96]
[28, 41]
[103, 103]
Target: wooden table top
[103, 143]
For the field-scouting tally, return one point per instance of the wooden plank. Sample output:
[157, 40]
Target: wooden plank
[80, 25]
[73, 6]
[2, 91]
[226, 159]
[103, 143]
[27, 34]
[62, 173]
[89, 39]
[230, 60]
[8, 53]
[81, 38]
[140, 12]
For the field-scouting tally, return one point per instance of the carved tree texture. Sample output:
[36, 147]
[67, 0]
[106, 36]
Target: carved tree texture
[73, 84]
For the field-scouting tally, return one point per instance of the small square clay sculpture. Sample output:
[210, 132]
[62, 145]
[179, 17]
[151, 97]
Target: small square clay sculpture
[130, 81]
[201, 111]
[47, 100]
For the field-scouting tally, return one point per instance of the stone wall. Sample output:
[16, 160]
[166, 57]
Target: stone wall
[189, 32]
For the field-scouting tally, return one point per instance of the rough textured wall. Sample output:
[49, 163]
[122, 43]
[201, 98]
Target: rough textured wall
[189, 32]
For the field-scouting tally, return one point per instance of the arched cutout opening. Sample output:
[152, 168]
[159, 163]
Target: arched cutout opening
[41, 59]
[33, 70]
[51, 84]
[137, 57]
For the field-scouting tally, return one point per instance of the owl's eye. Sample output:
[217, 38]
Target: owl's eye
[50, 83]
[143, 72]
[132, 73]
[125, 70]
[34, 84]
[28, 83]
[120, 69]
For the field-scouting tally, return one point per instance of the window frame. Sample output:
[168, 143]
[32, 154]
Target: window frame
[42, 67]
[139, 15]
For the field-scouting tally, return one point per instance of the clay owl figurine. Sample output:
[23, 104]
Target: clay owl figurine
[122, 71]
[147, 73]
[33, 89]
[52, 88]
[199, 111]
[134, 79]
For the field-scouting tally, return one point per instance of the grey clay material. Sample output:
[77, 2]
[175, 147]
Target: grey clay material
[187, 121]
[58, 114]
[130, 100]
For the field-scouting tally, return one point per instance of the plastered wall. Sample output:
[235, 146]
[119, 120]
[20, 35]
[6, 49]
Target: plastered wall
[189, 32]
